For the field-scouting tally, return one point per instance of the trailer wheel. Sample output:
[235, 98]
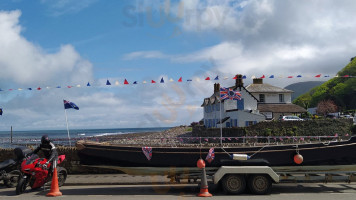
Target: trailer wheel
[259, 184]
[234, 184]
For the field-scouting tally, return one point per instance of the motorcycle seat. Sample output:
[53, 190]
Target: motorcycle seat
[7, 163]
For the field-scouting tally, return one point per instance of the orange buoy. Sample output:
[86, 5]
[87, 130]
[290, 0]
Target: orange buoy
[298, 159]
[201, 164]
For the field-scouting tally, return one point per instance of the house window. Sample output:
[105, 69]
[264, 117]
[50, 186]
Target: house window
[240, 104]
[281, 98]
[262, 98]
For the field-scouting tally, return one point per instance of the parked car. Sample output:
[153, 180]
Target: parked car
[290, 118]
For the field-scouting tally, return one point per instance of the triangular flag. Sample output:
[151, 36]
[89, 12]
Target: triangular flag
[226, 77]
[69, 86]
[77, 86]
[299, 76]
[117, 83]
[235, 77]
[27, 88]
[244, 77]
[56, 87]
[126, 82]
[326, 76]
[162, 81]
[318, 76]
[189, 79]
[135, 82]
[198, 79]
[88, 84]
[263, 76]
[216, 78]
[272, 76]
[108, 82]
[38, 88]
[180, 79]
[144, 82]
[153, 81]
[19, 89]
[207, 78]
[290, 77]
[253, 77]
[171, 80]
[346, 76]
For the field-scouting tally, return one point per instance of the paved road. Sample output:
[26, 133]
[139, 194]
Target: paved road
[143, 188]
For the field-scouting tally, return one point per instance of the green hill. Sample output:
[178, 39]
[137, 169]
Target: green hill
[342, 90]
[302, 87]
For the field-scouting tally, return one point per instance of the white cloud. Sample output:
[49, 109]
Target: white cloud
[62, 7]
[25, 63]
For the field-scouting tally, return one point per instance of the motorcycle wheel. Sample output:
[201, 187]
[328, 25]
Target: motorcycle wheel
[62, 176]
[12, 179]
[21, 185]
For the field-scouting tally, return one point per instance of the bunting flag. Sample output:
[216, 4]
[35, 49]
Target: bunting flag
[216, 78]
[135, 82]
[207, 78]
[180, 79]
[148, 152]
[152, 81]
[144, 82]
[235, 77]
[108, 82]
[29, 88]
[290, 77]
[162, 81]
[263, 76]
[299, 76]
[272, 76]
[56, 87]
[0, 111]
[211, 155]
[225, 78]
[68, 105]
[117, 83]
[189, 80]
[318, 76]
[126, 82]
[39, 88]
[244, 77]
[171, 80]
[88, 84]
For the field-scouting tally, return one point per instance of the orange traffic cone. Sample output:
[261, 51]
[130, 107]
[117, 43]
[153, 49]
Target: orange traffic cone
[204, 183]
[54, 192]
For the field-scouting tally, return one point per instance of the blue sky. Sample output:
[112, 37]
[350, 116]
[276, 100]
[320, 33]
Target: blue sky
[48, 43]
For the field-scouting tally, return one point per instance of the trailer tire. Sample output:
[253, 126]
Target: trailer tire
[234, 184]
[259, 184]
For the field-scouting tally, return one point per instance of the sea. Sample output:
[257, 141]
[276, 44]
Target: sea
[33, 137]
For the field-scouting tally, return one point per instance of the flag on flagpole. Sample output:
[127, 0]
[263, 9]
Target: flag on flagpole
[68, 104]
[211, 155]
[228, 93]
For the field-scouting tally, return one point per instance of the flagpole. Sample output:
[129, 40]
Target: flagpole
[220, 125]
[65, 111]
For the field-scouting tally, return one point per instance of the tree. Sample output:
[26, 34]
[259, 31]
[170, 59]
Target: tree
[326, 106]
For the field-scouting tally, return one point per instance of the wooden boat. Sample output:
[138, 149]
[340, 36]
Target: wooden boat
[314, 154]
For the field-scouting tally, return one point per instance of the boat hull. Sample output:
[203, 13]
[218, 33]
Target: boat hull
[331, 153]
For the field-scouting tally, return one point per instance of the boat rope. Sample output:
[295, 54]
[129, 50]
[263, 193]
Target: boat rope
[259, 150]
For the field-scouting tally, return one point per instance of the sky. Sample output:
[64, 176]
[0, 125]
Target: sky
[51, 43]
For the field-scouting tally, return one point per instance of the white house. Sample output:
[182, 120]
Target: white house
[259, 102]
[273, 101]
[234, 113]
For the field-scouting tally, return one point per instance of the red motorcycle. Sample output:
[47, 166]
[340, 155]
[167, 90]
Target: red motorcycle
[36, 173]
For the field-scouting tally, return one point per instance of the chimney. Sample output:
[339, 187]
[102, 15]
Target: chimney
[257, 81]
[216, 87]
[239, 81]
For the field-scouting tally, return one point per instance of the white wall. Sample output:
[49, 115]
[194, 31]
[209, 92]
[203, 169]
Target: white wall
[274, 97]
